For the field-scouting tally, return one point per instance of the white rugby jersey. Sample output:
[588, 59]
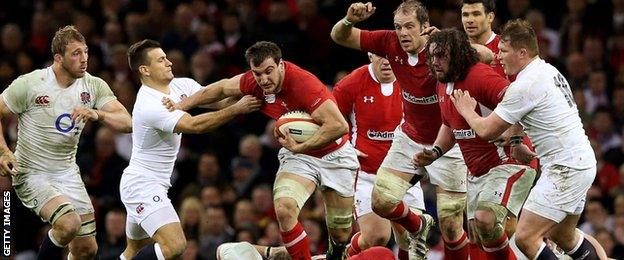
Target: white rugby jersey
[541, 100]
[154, 145]
[47, 138]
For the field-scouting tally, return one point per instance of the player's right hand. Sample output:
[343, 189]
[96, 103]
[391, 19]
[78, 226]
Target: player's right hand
[424, 158]
[169, 104]
[358, 12]
[8, 163]
[247, 104]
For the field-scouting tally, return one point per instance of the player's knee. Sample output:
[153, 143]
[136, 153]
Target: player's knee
[285, 209]
[490, 221]
[85, 250]
[173, 248]
[68, 225]
[525, 239]
[388, 192]
[451, 227]
[340, 235]
[375, 239]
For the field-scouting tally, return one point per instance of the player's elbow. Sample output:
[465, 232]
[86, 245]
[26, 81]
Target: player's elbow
[126, 128]
[341, 128]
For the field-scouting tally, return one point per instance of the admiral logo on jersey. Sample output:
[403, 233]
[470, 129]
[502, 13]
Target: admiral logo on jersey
[420, 100]
[380, 136]
[464, 134]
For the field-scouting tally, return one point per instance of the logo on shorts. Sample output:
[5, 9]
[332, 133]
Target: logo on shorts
[140, 208]
[85, 97]
[156, 198]
[42, 101]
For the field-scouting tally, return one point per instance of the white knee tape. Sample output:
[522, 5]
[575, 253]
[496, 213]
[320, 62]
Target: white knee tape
[449, 206]
[391, 188]
[338, 217]
[289, 188]
[87, 229]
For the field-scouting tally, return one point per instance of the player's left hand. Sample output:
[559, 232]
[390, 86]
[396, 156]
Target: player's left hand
[84, 114]
[522, 153]
[424, 158]
[463, 102]
[429, 31]
[289, 143]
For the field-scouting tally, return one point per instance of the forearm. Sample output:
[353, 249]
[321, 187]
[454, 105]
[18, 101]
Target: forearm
[445, 139]
[341, 31]
[479, 125]
[119, 121]
[324, 135]
[3, 143]
[210, 121]
[207, 95]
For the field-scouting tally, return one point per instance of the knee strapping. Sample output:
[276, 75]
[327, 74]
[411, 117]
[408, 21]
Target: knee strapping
[288, 188]
[339, 217]
[500, 215]
[391, 188]
[87, 228]
[449, 206]
[61, 210]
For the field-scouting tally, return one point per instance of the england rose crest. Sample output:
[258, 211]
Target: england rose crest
[85, 97]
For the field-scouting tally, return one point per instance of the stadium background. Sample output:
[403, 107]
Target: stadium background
[222, 180]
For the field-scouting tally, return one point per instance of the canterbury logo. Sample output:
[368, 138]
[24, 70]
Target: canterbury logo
[42, 100]
[369, 99]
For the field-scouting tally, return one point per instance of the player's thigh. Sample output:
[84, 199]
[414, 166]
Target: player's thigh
[36, 192]
[564, 233]
[449, 171]
[532, 226]
[293, 186]
[133, 246]
[51, 205]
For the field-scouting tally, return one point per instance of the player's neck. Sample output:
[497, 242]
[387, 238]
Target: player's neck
[160, 86]
[526, 63]
[483, 38]
[63, 78]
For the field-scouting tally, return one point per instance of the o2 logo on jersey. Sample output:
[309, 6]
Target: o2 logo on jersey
[64, 123]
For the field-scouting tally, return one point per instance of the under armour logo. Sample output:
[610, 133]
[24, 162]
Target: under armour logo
[399, 60]
[369, 99]
[498, 193]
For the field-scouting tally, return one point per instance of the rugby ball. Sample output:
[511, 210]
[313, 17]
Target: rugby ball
[299, 124]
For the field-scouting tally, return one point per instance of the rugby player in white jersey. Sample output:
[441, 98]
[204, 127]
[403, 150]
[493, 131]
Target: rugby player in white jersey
[541, 101]
[52, 106]
[153, 228]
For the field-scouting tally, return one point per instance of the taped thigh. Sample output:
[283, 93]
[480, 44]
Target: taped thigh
[338, 217]
[61, 210]
[289, 188]
[500, 214]
[450, 206]
[391, 188]
[87, 228]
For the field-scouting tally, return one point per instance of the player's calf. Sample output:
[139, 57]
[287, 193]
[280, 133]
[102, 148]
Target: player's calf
[490, 226]
[86, 249]
[450, 214]
[286, 210]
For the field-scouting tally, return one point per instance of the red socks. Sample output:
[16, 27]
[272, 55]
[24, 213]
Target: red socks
[458, 249]
[297, 243]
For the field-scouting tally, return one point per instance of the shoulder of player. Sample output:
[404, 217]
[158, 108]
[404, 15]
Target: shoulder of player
[32, 79]
[94, 81]
[300, 77]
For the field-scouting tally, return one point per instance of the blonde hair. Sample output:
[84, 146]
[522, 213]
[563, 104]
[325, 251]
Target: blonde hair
[63, 37]
[190, 203]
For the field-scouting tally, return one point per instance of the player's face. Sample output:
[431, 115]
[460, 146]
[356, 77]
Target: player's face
[75, 58]
[439, 62]
[268, 75]
[475, 21]
[381, 66]
[408, 30]
[509, 57]
[159, 67]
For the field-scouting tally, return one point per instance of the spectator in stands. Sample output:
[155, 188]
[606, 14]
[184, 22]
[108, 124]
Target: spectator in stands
[113, 241]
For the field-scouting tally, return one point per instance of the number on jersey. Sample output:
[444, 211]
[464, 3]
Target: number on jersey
[563, 86]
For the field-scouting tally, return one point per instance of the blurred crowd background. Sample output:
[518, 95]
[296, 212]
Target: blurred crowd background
[222, 180]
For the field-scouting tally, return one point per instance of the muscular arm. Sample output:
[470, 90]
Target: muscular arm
[333, 125]
[485, 54]
[212, 93]
[212, 120]
[6, 156]
[347, 36]
[344, 33]
[488, 128]
[445, 139]
[114, 115]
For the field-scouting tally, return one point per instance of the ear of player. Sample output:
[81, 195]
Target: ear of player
[298, 124]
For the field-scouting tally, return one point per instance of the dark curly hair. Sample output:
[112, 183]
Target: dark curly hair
[461, 55]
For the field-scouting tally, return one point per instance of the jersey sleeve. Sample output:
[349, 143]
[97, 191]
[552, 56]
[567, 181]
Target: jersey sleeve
[162, 119]
[103, 93]
[247, 83]
[344, 92]
[16, 95]
[376, 42]
[191, 86]
[516, 103]
[490, 88]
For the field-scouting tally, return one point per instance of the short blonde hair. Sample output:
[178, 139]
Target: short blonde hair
[63, 37]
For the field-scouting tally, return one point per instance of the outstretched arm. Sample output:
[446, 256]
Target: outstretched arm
[344, 33]
[212, 93]
[212, 120]
[8, 163]
[488, 128]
